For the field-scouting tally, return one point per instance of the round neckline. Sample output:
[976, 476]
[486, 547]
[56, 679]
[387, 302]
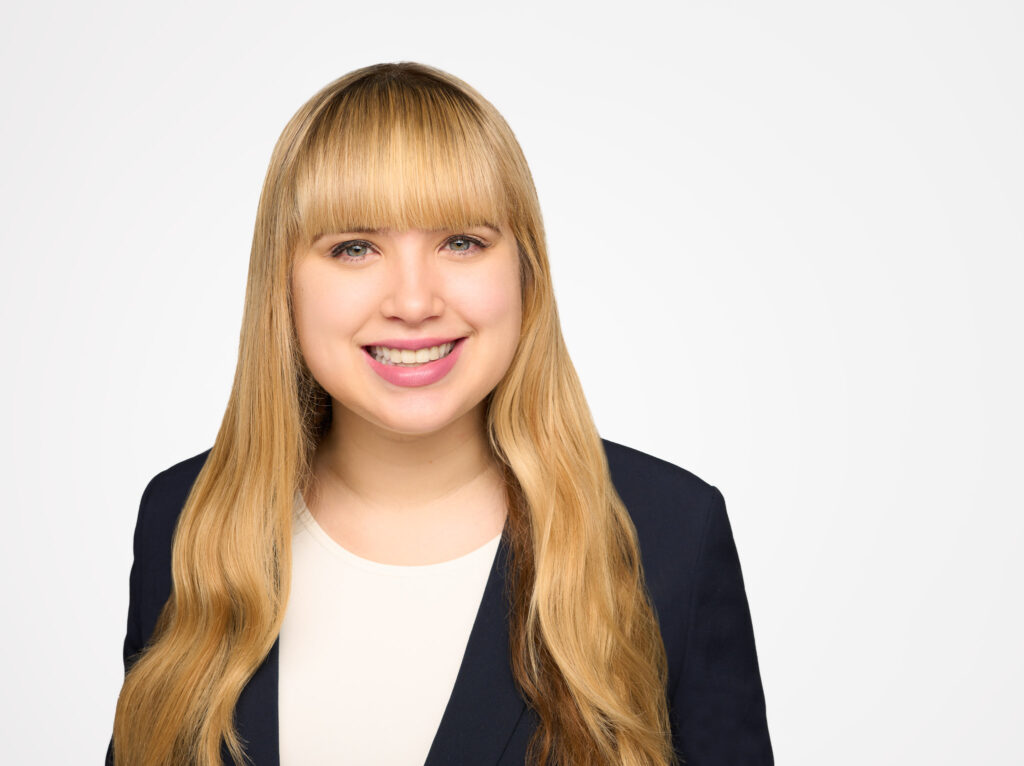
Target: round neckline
[335, 548]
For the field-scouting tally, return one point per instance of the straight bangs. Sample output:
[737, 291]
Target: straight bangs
[391, 155]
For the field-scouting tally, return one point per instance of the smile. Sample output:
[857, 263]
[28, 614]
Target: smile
[391, 365]
[408, 357]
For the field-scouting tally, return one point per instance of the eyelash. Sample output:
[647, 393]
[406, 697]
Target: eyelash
[337, 252]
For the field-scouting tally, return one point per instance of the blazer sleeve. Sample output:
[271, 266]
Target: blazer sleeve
[133, 639]
[718, 703]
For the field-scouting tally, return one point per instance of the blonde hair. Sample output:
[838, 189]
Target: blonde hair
[404, 145]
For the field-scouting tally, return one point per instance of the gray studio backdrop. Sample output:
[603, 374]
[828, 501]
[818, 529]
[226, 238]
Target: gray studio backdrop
[786, 241]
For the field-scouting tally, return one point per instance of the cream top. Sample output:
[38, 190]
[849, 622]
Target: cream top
[369, 652]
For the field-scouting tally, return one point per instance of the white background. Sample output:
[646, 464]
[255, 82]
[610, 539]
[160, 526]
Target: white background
[786, 240]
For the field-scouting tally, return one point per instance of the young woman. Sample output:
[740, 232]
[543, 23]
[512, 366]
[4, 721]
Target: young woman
[408, 543]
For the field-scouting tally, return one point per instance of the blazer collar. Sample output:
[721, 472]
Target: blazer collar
[482, 711]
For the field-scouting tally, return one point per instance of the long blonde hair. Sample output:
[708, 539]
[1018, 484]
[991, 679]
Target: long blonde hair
[403, 145]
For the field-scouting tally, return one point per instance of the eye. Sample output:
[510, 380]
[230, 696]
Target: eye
[351, 250]
[465, 244]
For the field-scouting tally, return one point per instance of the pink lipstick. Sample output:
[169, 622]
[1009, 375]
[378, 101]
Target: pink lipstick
[420, 375]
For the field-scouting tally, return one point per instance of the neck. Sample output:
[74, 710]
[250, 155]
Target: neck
[400, 473]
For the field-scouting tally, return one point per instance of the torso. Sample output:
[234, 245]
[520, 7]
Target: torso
[368, 649]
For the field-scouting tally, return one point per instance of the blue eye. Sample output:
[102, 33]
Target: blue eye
[464, 244]
[356, 250]
[351, 250]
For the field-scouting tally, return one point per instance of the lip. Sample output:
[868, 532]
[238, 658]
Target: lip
[413, 377]
[412, 343]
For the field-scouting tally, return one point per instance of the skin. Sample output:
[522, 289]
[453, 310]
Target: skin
[405, 475]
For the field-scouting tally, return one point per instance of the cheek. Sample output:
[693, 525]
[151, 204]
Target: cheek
[322, 318]
[493, 305]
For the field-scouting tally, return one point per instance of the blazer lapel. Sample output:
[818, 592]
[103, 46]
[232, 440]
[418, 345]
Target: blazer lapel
[485, 704]
[482, 711]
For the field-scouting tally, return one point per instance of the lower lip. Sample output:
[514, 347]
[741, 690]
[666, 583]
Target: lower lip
[421, 375]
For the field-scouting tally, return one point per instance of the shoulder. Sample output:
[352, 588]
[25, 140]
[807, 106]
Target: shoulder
[161, 505]
[676, 514]
[165, 495]
[662, 498]
[672, 510]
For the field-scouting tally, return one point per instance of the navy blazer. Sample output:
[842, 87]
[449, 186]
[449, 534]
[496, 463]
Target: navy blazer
[692, 570]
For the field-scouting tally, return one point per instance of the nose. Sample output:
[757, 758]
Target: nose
[414, 284]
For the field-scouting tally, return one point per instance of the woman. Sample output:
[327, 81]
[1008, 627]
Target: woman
[408, 542]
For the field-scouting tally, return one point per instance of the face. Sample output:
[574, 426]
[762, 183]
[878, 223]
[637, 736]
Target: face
[360, 297]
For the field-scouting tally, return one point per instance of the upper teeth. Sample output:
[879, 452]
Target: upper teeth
[408, 355]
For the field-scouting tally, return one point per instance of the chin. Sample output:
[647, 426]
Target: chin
[424, 420]
[414, 423]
